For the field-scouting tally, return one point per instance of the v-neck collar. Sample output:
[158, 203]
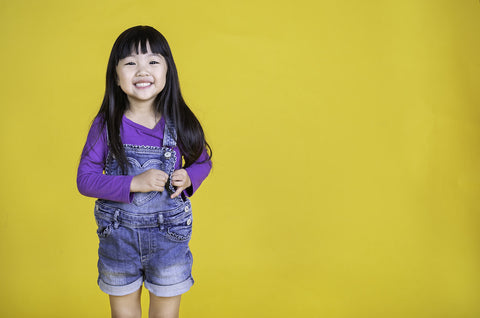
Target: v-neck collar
[156, 129]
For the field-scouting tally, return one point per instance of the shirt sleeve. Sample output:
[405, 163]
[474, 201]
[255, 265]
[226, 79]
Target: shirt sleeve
[198, 172]
[91, 181]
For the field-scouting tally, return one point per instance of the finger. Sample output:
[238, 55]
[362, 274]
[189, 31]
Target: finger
[161, 181]
[156, 188]
[176, 176]
[180, 172]
[162, 173]
[177, 193]
[180, 183]
[159, 186]
[157, 172]
[162, 178]
[178, 180]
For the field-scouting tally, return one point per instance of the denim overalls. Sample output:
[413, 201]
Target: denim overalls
[145, 240]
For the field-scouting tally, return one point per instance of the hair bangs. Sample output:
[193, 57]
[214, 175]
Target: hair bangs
[135, 42]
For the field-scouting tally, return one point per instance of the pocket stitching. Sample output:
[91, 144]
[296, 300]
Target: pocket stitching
[182, 225]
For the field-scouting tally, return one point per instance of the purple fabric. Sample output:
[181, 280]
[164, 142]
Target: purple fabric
[93, 183]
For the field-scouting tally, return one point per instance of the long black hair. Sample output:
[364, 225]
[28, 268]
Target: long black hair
[169, 102]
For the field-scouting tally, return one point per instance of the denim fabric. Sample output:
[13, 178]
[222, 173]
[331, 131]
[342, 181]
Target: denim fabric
[141, 159]
[145, 240]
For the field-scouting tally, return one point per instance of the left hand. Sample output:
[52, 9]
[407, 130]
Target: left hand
[181, 181]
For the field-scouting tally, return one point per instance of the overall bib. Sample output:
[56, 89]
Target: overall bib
[145, 240]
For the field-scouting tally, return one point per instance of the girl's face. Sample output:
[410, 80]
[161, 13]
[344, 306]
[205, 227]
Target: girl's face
[142, 76]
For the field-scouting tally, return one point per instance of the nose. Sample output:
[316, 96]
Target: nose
[142, 70]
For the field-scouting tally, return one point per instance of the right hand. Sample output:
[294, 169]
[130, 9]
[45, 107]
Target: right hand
[150, 180]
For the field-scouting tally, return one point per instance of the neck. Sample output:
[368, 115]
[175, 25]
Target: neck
[143, 114]
[141, 108]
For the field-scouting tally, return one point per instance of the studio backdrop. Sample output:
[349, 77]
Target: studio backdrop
[346, 154]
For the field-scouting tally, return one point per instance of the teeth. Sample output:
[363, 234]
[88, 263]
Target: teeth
[143, 84]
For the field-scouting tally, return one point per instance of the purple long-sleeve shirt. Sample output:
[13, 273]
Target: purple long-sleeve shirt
[93, 183]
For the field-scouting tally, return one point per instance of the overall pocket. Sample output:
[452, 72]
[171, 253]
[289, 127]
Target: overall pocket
[105, 227]
[179, 226]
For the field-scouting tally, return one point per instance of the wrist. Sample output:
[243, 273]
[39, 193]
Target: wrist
[133, 184]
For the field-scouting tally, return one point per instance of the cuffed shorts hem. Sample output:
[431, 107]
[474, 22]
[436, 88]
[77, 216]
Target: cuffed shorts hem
[170, 290]
[120, 290]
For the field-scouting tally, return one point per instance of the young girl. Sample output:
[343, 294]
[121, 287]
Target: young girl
[132, 162]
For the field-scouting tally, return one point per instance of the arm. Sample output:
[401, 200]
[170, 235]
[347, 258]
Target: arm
[198, 172]
[91, 181]
[189, 179]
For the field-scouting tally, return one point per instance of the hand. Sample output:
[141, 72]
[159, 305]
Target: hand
[181, 180]
[150, 180]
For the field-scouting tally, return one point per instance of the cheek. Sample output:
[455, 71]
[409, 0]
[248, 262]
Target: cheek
[123, 76]
[162, 80]
[119, 79]
[118, 76]
[123, 81]
[121, 84]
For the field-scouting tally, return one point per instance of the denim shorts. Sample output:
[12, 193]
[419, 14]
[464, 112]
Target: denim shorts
[150, 247]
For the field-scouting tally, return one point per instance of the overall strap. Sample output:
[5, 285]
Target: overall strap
[169, 135]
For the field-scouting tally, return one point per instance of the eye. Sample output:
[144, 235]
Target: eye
[154, 62]
[130, 63]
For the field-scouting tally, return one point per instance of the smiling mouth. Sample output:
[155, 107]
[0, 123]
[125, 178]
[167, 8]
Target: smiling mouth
[143, 84]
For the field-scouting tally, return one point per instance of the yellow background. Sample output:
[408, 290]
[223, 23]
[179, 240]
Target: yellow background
[346, 146]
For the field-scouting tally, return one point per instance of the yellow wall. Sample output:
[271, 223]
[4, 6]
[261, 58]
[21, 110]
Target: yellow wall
[346, 149]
